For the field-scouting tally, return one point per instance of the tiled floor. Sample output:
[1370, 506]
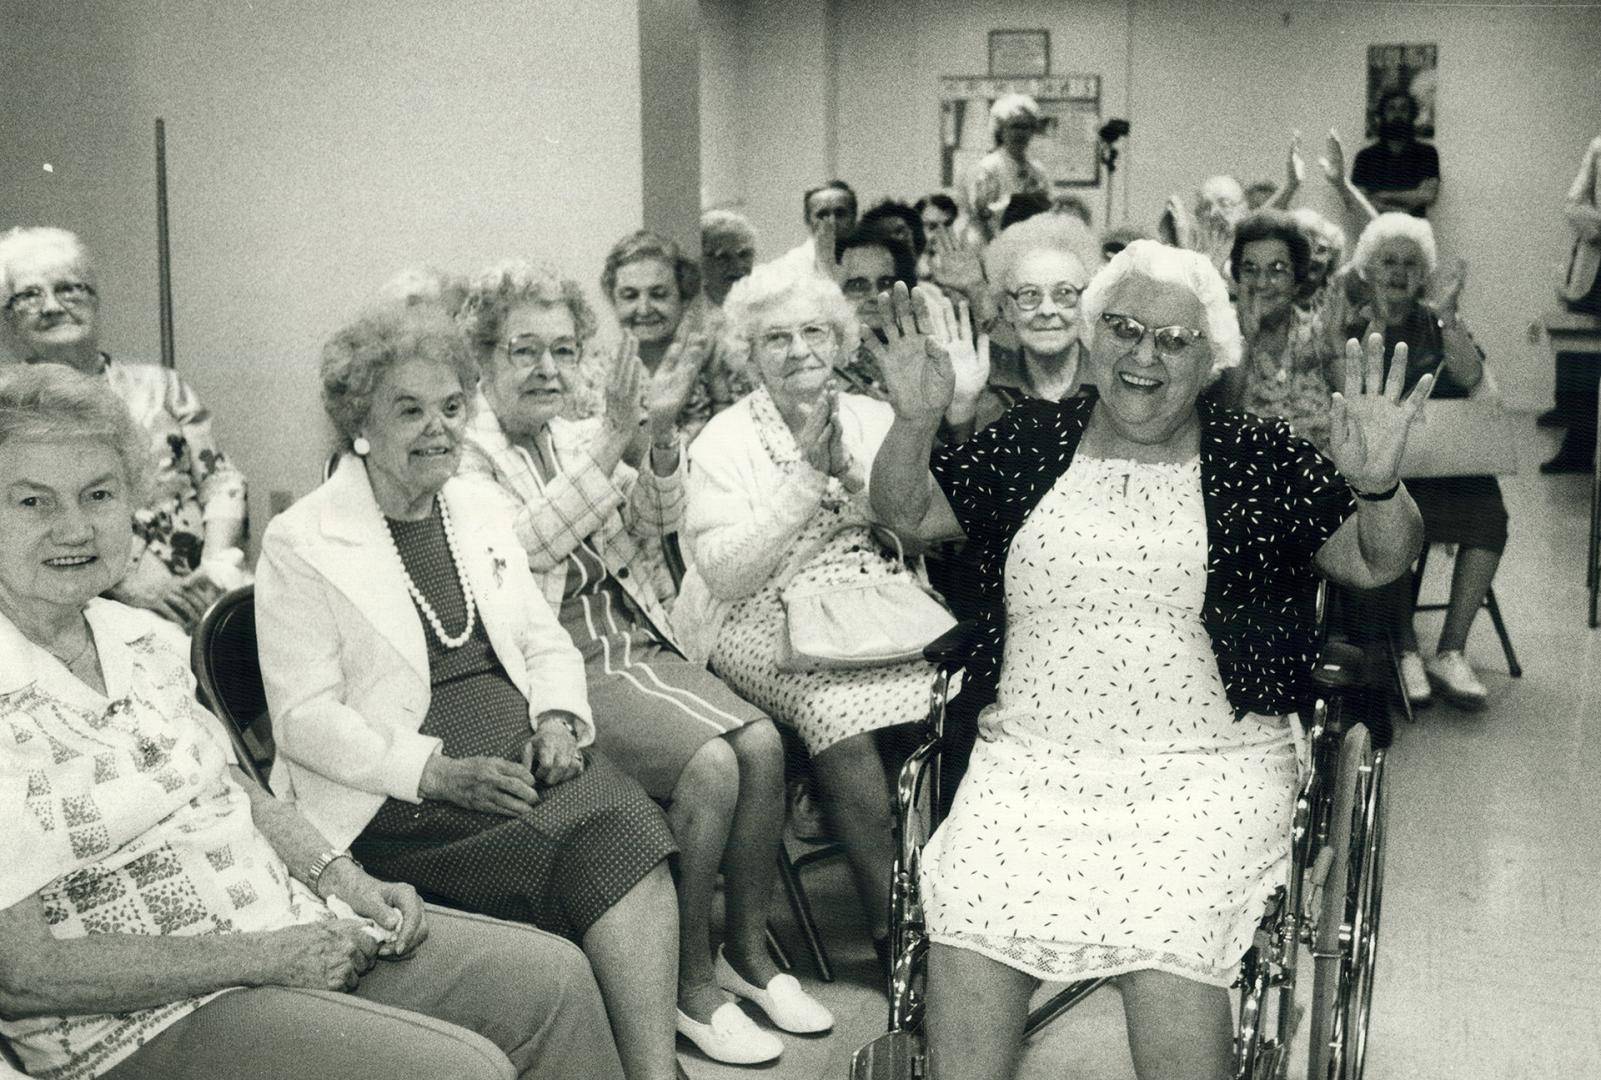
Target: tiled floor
[1490, 965]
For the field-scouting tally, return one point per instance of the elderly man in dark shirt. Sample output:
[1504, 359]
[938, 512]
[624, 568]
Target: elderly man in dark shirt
[1397, 172]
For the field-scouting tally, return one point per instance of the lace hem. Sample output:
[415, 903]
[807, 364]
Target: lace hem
[1068, 961]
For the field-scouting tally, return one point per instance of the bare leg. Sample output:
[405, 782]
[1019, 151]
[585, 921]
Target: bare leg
[855, 790]
[1178, 1029]
[976, 1010]
[1470, 584]
[702, 811]
[633, 951]
[751, 861]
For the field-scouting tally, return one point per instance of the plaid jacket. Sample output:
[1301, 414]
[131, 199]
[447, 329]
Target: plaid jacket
[622, 517]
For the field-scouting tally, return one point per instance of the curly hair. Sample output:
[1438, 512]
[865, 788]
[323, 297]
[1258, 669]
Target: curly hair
[642, 245]
[1394, 225]
[1189, 270]
[1314, 226]
[716, 225]
[779, 282]
[1271, 225]
[1050, 232]
[26, 237]
[1010, 107]
[57, 403]
[424, 284]
[356, 359]
[492, 293]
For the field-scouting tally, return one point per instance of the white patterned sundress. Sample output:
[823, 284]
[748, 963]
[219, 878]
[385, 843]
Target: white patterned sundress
[1116, 815]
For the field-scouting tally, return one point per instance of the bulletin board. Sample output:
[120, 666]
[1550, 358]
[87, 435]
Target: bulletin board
[1067, 147]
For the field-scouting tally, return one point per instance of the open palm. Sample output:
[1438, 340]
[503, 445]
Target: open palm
[1369, 422]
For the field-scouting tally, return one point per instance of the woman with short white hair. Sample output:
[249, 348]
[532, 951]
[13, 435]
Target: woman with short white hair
[1006, 170]
[188, 536]
[1395, 257]
[778, 497]
[1148, 564]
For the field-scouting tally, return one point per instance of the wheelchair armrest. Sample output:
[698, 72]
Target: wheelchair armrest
[1341, 666]
[954, 647]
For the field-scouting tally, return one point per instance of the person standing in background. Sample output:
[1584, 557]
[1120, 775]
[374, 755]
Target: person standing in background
[1006, 170]
[1581, 291]
[1396, 171]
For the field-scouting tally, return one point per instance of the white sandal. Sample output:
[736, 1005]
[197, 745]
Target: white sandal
[786, 1004]
[732, 1037]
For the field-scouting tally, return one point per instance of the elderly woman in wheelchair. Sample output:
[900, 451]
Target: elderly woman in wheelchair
[1148, 565]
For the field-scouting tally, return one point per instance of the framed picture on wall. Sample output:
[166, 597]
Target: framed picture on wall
[1409, 69]
[1066, 147]
[1020, 52]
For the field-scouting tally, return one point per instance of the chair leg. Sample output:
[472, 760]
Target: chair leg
[780, 954]
[1512, 664]
[1394, 652]
[802, 907]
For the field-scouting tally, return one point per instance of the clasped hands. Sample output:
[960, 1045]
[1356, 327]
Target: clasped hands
[934, 364]
[498, 785]
[636, 399]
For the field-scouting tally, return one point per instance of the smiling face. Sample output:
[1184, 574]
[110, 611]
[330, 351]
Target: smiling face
[1398, 272]
[1265, 266]
[868, 271]
[1148, 396]
[524, 395]
[1050, 329]
[65, 525]
[47, 313]
[796, 368]
[647, 300]
[417, 420]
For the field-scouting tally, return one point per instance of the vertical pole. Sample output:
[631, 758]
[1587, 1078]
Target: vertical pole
[163, 246]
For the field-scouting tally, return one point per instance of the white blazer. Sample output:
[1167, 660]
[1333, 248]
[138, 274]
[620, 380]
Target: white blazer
[343, 655]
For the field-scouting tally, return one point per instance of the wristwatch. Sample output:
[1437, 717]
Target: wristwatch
[321, 863]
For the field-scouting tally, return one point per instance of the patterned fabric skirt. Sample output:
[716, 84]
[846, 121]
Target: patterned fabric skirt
[824, 707]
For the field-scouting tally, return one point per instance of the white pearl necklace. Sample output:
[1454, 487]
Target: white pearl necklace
[461, 579]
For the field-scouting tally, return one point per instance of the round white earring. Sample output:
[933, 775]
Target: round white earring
[361, 446]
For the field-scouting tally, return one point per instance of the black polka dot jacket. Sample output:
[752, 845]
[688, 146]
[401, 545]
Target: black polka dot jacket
[1271, 501]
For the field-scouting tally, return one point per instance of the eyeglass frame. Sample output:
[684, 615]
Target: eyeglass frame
[1190, 334]
[81, 293]
[546, 348]
[1277, 270]
[1078, 293]
[759, 343]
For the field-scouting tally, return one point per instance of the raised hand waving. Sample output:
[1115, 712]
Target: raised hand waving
[1369, 422]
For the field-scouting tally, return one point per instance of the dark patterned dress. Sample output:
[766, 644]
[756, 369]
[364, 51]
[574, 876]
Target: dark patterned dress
[585, 844]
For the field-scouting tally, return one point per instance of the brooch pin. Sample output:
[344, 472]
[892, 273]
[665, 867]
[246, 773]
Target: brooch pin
[500, 570]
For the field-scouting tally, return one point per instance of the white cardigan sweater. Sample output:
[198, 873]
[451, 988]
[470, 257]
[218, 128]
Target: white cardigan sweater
[745, 510]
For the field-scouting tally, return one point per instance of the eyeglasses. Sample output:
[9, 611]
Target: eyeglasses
[1277, 270]
[1167, 340]
[1029, 297]
[858, 287]
[29, 301]
[525, 350]
[775, 341]
[743, 254]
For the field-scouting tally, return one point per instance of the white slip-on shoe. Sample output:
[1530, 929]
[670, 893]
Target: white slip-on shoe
[1414, 679]
[732, 1037]
[1451, 670]
[784, 1001]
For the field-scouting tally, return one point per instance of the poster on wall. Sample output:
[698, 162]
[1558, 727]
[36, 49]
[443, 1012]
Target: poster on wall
[1409, 68]
[1070, 115]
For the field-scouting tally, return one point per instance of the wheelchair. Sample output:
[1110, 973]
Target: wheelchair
[1326, 911]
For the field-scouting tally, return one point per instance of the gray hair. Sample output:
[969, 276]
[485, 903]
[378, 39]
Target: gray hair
[54, 403]
[1042, 232]
[424, 284]
[492, 293]
[1394, 225]
[1009, 107]
[1166, 265]
[779, 282]
[1314, 224]
[357, 358]
[14, 242]
[725, 225]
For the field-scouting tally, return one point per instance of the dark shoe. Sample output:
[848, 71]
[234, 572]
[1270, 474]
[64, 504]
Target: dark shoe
[1566, 462]
[1552, 417]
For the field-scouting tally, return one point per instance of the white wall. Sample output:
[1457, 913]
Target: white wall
[1216, 86]
[313, 149]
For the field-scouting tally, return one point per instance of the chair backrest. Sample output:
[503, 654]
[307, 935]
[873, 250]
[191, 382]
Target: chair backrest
[223, 656]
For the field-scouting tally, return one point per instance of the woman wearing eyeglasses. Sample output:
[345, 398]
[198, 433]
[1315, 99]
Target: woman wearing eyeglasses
[1037, 269]
[589, 525]
[1149, 564]
[1289, 363]
[778, 496]
[187, 537]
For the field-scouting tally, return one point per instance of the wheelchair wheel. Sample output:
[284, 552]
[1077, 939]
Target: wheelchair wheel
[1345, 946]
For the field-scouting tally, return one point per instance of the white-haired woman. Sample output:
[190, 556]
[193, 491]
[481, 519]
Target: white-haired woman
[188, 535]
[778, 494]
[1150, 564]
[1038, 269]
[162, 917]
[590, 525]
[1006, 170]
[1394, 258]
